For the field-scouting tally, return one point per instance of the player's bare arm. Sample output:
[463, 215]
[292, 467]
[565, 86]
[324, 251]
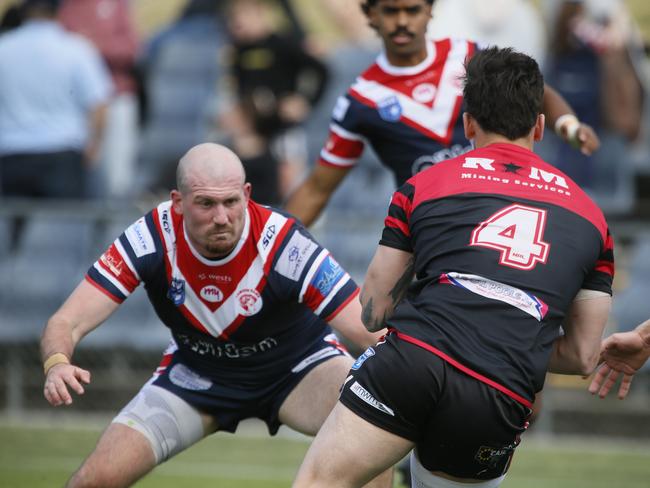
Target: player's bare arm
[348, 323]
[309, 199]
[577, 351]
[389, 274]
[82, 312]
[624, 354]
[561, 118]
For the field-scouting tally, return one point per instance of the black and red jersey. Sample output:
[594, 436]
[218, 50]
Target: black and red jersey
[502, 243]
[250, 311]
[411, 116]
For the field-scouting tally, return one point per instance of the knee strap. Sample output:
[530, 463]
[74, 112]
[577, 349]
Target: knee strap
[168, 422]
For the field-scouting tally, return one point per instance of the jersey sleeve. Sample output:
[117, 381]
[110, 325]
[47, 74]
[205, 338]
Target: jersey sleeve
[345, 143]
[312, 276]
[397, 233]
[602, 275]
[119, 270]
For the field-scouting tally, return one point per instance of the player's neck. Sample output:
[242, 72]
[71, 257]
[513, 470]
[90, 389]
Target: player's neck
[404, 60]
[485, 139]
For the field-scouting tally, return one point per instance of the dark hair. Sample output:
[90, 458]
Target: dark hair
[503, 91]
[368, 4]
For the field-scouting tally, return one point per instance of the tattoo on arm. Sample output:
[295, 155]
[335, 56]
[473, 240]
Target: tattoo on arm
[370, 317]
[398, 291]
[371, 322]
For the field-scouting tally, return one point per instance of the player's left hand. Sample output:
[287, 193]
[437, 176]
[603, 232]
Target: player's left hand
[587, 141]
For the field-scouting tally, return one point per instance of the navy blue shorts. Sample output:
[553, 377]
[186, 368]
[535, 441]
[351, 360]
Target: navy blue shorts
[230, 398]
[459, 425]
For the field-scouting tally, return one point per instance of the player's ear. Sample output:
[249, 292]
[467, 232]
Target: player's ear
[469, 126]
[369, 13]
[177, 201]
[539, 127]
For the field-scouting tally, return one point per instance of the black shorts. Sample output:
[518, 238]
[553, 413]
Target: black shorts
[460, 426]
[230, 400]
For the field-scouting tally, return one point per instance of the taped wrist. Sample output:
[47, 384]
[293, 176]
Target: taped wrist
[53, 360]
[566, 126]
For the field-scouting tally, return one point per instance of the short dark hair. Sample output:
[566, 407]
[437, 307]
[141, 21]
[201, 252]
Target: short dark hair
[368, 4]
[503, 91]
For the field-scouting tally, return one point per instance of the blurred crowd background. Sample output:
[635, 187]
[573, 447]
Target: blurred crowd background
[152, 78]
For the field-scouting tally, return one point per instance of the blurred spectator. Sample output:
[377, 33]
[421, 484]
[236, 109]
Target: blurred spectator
[181, 71]
[107, 23]
[504, 23]
[591, 64]
[11, 18]
[53, 93]
[276, 84]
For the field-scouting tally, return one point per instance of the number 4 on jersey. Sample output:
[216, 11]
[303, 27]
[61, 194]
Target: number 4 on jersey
[517, 232]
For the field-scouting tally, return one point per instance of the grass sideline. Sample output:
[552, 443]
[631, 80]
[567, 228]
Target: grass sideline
[43, 457]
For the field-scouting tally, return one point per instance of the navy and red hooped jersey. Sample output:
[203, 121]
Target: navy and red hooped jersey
[250, 311]
[411, 116]
[502, 243]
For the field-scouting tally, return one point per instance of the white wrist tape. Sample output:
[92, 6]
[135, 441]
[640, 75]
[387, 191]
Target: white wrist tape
[566, 126]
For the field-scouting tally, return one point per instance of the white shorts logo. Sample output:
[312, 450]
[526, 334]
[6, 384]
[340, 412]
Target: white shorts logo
[365, 395]
[184, 377]
[318, 355]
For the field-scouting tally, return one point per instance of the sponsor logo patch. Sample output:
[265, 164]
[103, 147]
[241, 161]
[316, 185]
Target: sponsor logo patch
[211, 294]
[267, 235]
[140, 238]
[176, 292]
[184, 377]
[424, 93]
[389, 109]
[328, 274]
[492, 456]
[112, 260]
[498, 291]
[166, 225]
[249, 302]
[365, 395]
[362, 359]
[340, 108]
[295, 255]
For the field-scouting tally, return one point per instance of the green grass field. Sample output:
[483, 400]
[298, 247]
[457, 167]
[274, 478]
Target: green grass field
[44, 457]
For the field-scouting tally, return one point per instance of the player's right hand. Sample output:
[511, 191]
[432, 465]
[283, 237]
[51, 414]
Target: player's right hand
[59, 378]
[624, 354]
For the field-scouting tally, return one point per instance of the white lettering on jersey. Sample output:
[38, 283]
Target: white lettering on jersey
[474, 163]
[340, 108]
[295, 255]
[140, 238]
[495, 290]
[548, 177]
